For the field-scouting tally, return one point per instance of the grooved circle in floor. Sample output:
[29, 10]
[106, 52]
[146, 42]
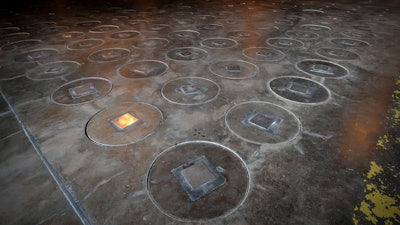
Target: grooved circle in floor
[85, 44]
[123, 124]
[299, 89]
[184, 34]
[198, 181]
[282, 42]
[159, 27]
[264, 54]
[349, 42]
[53, 70]
[234, 69]
[87, 24]
[190, 90]
[186, 54]
[218, 42]
[358, 34]
[209, 27]
[314, 27]
[81, 91]
[125, 34]
[143, 69]
[243, 34]
[35, 55]
[321, 68]
[151, 43]
[67, 36]
[262, 123]
[104, 28]
[302, 35]
[20, 45]
[108, 55]
[337, 54]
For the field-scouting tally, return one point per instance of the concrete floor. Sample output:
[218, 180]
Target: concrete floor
[248, 113]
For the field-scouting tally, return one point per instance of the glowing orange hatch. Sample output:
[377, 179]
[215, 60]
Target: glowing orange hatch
[124, 121]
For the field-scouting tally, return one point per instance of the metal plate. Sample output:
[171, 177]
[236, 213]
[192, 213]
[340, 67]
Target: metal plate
[190, 90]
[262, 123]
[85, 44]
[169, 196]
[186, 54]
[184, 34]
[125, 34]
[151, 43]
[264, 54]
[143, 69]
[321, 68]
[218, 43]
[53, 70]
[337, 54]
[100, 129]
[302, 35]
[298, 89]
[282, 42]
[35, 55]
[108, 55]
[234, 69]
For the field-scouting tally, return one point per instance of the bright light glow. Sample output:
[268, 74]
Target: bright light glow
[125, 121]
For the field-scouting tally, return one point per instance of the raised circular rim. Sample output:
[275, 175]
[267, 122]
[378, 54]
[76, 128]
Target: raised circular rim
[204, 142]
[325, 61]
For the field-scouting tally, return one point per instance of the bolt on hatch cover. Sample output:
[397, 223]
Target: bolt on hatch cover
[35, 55]
[264, 54]
[337, 54]
[234, 69]
[321, 68]
[190, 90]
[108, 55]
[85, 44]
[143, 69]
[186, 54]
[53, 70]
[282, 42]
[262, 123]
[198, 181]
[219, 43]
[81, 91]
[299, 89]
[123, 124]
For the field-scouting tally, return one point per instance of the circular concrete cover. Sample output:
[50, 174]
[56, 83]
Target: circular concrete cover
[89, 23]
[159, 27]
[126, 34]
[104, 28]
[190, 90]
[264, 54]
[85, 44]
[209, 27]
[67, 36]
[218, 42]
[243, 34]
[108, 55]
[234, 69]
[186, 54]
[52, 30]
[20, 45]
[123, 124]
[299, 89]
[262, 123]
[35, 55]
[198, 181]
[53, 70]
[314, 27]
[302, 35]
[282, 42]
[184, 34]
[358, 34]
[321, 68]
[337, 54]
[143, 69]
[349, 42]
[151, 43]
[81, 91]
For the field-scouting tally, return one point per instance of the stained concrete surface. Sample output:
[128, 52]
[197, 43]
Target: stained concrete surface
[316, 177]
